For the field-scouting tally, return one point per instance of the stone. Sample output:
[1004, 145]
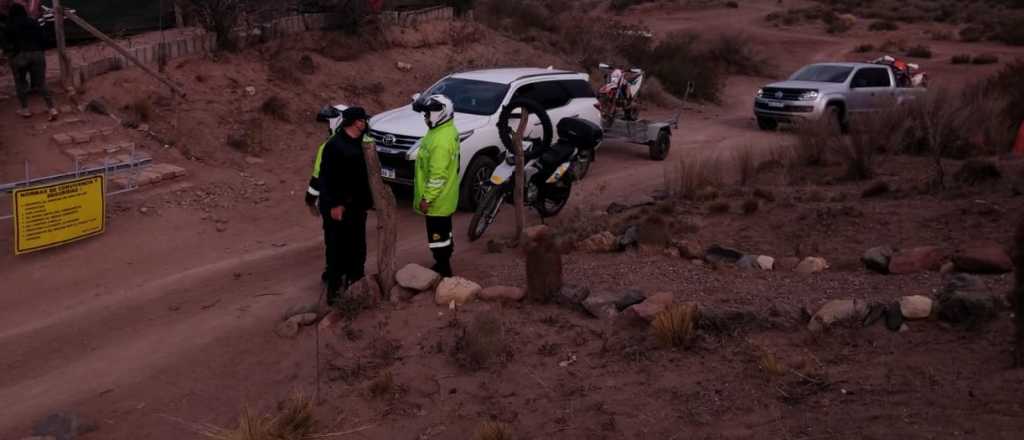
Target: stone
[721, 254]
[876, 189]
[303, 319]
[288, 329]
[543, 263]
[689, 249]
[456, 289]
[916, 307]
[904, 328]
[253, 160]
[756, 262]
[63, 139]
[747, 262]
[403, 67]
[598, 243]
[947, 268]
[985, 258]
[877, 258]
[919, 259]
[251, 91]
[811, 265]
[787, 264]
[629, 238]
[650, 307]
[400, 294]
[893, 317]
[837, 311]
[608, 304]
[416, 277]
[299, 309]
[571, 295]
[331, 320]
[765, 262]
[502, 293]
[81, 137]
[970, 308]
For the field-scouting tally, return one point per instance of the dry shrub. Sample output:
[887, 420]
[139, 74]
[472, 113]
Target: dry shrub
[883, 26]
[480, 343]
[737, 55]
[493, 431]
[869, 135]
[687, 177]
[919, 51]
[306, 65]
[750, 206]
[677, 62]
[985, 58]
[863, 48]
[383, 387]
[746, 165]
[276, 107]
[941, 35]
[220, 17]
[676, 326]
[814, 140]
[294, 421]
[770, 363]
[960, 59]
[654, 94]
[140, 110]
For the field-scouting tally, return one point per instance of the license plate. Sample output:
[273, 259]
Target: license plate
[776, 105]
[388, 173]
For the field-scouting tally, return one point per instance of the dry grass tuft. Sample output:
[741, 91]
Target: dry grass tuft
[140, 110]
[276, 107]
[493, 431]
[746, 165]
[676, 326]
[480, 343]
[770, 363]
[295, 421]
[384, 386]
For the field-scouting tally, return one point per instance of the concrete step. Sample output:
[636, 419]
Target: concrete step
[97, 152]
[82, 136]
[150, 175]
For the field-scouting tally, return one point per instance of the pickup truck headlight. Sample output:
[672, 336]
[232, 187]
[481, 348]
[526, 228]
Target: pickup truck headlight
[810, 95]
[466, 135]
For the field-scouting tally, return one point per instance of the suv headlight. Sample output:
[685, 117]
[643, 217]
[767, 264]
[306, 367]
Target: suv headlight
[809, 95]
[760, 93]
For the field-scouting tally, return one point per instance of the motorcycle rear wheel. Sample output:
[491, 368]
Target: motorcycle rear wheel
[551, 200]
[486, 212]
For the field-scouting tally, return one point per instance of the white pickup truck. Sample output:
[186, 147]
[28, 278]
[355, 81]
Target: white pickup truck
[837, 91]
[478, 97]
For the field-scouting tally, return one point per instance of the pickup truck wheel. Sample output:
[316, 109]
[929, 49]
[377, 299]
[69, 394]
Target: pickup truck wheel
[834, 119]
[475, 182]
[660, 146]
[767, 124]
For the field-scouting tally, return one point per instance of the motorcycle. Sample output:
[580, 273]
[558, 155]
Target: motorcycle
[906, 74]
[621, 91]
[549, 169]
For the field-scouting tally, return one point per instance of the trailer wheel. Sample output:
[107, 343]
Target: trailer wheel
[660, 146]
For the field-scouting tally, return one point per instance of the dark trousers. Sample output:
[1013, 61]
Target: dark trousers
[30, 75]
[346, 249]
[441, 242]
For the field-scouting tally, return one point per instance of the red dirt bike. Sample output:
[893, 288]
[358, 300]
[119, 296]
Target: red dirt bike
[906, 74]
[621, 91]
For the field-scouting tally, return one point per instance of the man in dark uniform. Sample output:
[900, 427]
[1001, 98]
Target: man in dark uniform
[344, 199]
[27, 41]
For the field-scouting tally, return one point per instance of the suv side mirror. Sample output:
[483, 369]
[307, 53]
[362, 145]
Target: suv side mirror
[327, 113]
[416, 96]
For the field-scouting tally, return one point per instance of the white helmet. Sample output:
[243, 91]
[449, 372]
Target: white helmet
[436, 109]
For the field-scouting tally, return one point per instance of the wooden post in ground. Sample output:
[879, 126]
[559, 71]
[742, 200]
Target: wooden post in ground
[62, 53]
[387, 229]
[124, 52]
[517, 146]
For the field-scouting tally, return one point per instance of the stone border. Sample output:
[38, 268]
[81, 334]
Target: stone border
[410, 18]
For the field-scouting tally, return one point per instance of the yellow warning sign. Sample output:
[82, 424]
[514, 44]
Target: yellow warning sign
[60, 213]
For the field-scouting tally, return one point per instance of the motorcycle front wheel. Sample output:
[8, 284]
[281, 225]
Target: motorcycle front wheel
[552, 199]
[486, 212]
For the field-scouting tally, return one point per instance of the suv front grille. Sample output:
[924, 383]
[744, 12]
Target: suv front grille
[393, 141]
[783, 94]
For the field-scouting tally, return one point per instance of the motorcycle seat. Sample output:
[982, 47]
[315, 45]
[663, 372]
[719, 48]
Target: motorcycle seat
[556, 155]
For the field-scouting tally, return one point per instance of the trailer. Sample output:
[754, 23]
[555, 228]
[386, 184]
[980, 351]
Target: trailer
[657, 135]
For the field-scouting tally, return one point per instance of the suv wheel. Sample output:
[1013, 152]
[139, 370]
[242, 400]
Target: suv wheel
[474, 182]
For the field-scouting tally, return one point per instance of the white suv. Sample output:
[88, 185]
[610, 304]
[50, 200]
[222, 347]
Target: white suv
[479, 96]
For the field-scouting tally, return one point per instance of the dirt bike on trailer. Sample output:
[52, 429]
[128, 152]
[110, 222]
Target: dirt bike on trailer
[550, 169]
[620, 92]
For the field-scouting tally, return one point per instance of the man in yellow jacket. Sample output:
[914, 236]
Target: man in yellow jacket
[436, 192]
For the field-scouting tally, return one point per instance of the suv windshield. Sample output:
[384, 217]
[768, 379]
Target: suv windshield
[823, 73]
[471, 96]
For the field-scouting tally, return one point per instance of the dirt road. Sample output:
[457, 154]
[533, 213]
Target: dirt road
[165, 318]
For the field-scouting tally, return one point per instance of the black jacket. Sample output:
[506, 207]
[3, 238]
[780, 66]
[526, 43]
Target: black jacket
[343, 178]
[24, 35]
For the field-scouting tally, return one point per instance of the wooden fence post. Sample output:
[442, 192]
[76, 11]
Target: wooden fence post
[387, 229]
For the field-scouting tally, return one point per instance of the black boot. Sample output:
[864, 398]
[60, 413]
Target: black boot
[444, 268]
